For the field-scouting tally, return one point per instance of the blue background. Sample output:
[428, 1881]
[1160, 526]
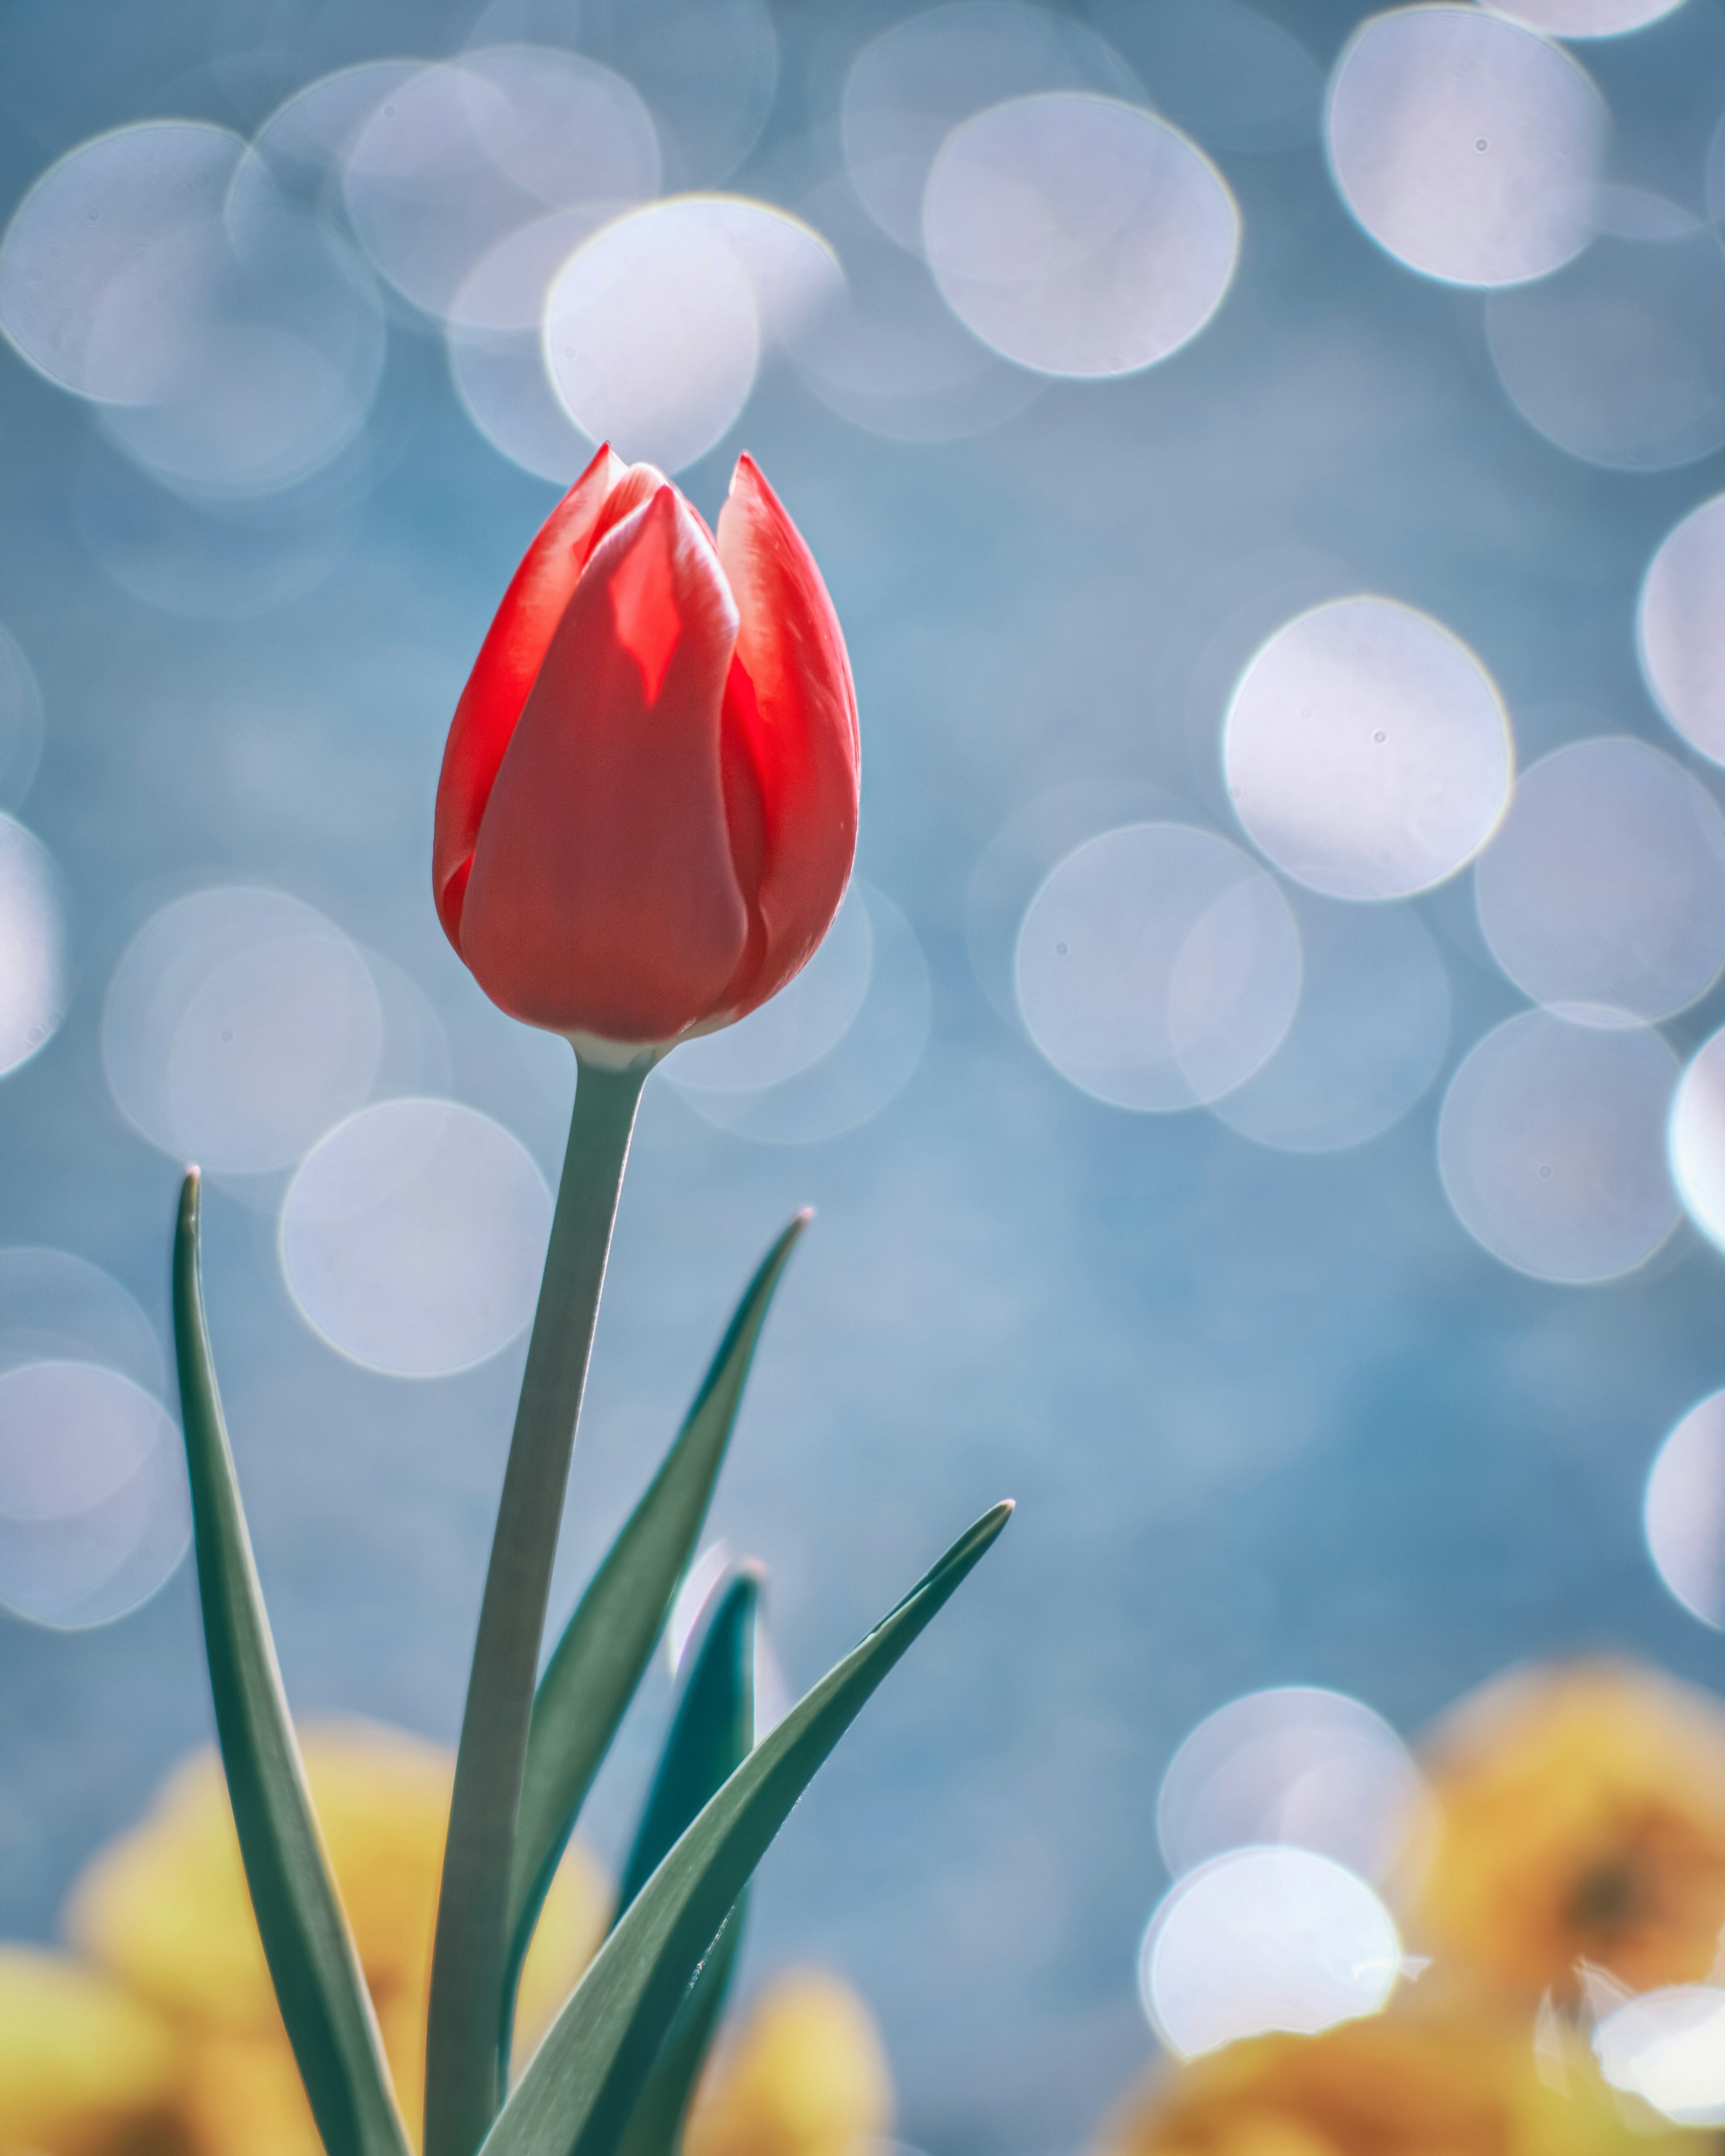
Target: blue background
[1269, 1419]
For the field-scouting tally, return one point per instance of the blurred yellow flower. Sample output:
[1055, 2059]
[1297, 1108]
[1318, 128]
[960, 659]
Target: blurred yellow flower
[1581, 1818]
[1457, 2081]
[805, 2075]
[85, 2070]
[164, 1911]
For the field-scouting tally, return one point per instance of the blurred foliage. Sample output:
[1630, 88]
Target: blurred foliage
[1581, 1821]
[162, 2038]
[1445, 2076]
[1576, 1852]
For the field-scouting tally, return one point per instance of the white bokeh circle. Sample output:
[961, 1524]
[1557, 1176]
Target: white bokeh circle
[1681, 628]
[95, 1515]
[238, 1025]
[1263, 1939]
[1157, 967]
[412, 1237]
[34, 974]
[1606, 884]
[1683, 1511]
[1077, 235]
[1294, 1765]
[1367, 1039]
[1366, 751]
[1697, 1138]
[1551, 1145]
[1466, 144]
[1667, 2047]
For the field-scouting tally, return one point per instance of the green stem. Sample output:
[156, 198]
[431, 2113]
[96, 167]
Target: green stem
[470, 1962]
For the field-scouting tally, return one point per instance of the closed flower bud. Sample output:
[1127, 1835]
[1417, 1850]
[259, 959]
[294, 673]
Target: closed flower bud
[647, 813]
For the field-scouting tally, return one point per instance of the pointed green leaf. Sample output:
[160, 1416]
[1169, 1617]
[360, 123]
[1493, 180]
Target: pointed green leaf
[711, 1735]
[655, 2125]
[609, 1640]
[710, 1739]
[312, 1962]
[576, 2096]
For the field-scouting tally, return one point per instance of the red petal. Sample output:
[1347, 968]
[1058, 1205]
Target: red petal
[790, 721]
[603, 898]
[510, 656]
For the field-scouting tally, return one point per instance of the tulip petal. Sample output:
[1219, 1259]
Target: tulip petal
[603, 898]
[793, 763]
[511, 657]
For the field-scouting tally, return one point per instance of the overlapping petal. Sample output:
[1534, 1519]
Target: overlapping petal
[603, 898]
[509, 659]
[791, 726]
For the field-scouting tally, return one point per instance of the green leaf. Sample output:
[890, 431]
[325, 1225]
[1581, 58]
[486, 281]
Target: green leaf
[312, 1962]
[655, 2125]
[576, 2096]
[710, 1739]
[711, 1735]
[608, 1642]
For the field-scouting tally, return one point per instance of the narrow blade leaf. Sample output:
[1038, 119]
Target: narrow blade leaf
[609, 1640]
[711, 1738]
[312, 1962]
[711, 1735]
[655, 2125]
[577, 2093]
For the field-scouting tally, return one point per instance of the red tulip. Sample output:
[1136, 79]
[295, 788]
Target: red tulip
[647, 812]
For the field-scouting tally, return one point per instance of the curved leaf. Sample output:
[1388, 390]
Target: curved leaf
[581, 2085]
[608, 1642]
[312, 1962]
[710, 1739]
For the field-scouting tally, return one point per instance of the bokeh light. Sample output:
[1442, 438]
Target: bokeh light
[907, 90]
[707, 68]
[1697, 1138]
[1297, 1765]
[1228, 75]
[94, 1510]
[239, 1024]
[1078, 234]
[57, 1307]
[1668, 2048]
[1367, 1037]
[1683, 1515]
[1681, 628]
[93, 220]
[655, 328]
[827, 1054]
[1010, 870]
[21, 719]
[496, 345]
[1551, 1145]
[1586, 18]
[33, 951]
[1606, 884]
[1366, 751]
[1466, 144]
[412, 1237]
[1262, 1939]
[890, 357]
[462, 154]
[233, 354]
[1619, 358]
[1158, 967]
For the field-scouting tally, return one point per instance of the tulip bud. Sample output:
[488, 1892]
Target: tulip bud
[647, 813]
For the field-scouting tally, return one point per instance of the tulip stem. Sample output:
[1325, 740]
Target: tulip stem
[471, 1958]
